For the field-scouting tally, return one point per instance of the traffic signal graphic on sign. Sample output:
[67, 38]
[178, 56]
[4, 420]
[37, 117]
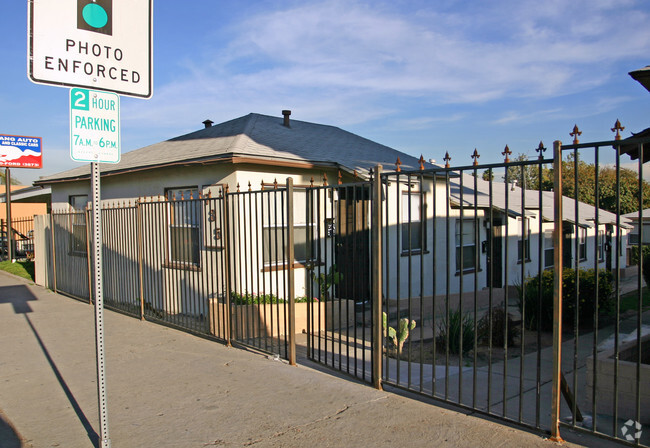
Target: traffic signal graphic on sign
[95, 15]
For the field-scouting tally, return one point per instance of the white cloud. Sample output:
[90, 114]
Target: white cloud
[352, 56]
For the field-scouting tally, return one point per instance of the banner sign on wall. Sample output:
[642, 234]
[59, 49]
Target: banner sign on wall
[19, 151]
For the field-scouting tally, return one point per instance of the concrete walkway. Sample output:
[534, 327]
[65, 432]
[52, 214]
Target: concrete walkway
[167, 388]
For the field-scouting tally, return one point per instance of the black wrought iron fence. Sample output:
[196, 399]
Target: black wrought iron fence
[215, 266]
[459, 246]
[338, 248]
[501, 288]
[606, 316]
[22, 238]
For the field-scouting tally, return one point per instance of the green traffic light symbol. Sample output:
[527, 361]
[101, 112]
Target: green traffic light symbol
[94, 15]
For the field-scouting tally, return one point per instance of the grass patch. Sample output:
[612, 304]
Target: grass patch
[630, 301]
[24, 269]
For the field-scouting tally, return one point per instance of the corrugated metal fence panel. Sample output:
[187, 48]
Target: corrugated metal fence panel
[71, 254]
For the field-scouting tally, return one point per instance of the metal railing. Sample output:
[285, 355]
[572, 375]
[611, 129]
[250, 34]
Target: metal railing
[211, 266]
[486, 286]
[22, 238]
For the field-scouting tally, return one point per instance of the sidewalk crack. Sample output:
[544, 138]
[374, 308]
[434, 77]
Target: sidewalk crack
[299, 428]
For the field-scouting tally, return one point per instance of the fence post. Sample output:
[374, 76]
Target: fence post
[2, 228]
[376, 251]
[140, 240]
[87, 218]
[557, 291]
[228, 268]
[291, 275]
[9, 234]
[53, 252]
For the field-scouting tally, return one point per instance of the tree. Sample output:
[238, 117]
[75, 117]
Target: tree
[3, 179]
[628, 190]
[526, 176]
[488, 175]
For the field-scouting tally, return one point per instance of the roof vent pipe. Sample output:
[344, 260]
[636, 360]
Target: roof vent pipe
[286, 114]
[208, 123]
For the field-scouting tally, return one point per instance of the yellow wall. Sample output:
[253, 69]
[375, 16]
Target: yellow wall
[21, 210]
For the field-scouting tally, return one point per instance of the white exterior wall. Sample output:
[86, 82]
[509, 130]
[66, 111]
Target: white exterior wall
[403, 272]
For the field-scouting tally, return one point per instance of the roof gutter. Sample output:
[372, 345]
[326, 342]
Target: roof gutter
[234, 159]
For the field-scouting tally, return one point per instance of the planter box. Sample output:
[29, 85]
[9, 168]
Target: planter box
[270, 320]
[605, 367]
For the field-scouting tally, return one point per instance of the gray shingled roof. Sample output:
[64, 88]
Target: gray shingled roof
[261, 137]
[634, 216]
[586, 214]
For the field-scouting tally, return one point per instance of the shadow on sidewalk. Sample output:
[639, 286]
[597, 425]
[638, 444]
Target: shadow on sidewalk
[20, 296]
[9, 437]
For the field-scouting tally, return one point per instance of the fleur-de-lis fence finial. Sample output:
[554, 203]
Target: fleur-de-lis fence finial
[506, 152]
[618, 128]
[475, 156]
[447, 158]
[575, 134]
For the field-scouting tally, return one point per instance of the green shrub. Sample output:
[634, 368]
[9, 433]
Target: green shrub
[498, 328]
[457, 322]
[645, 269]
[634, 253]
[262, 299]
[634, 260]
[586, 304]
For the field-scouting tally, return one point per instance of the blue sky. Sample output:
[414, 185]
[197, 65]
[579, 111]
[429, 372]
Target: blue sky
[422, 77]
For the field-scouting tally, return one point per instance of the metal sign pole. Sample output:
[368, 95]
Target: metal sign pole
[10, 236]
[105, 441]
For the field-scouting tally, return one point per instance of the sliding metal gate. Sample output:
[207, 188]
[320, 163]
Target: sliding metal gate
[478, 261]
[339, 238]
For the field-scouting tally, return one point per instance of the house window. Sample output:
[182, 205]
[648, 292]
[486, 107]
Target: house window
[79, 236]
[601, 245]
[413, 240]
[466, 244]
[582, 243]
[634, 238]
[275, 245]
[184, 218]
[548, 249]
[523, 246]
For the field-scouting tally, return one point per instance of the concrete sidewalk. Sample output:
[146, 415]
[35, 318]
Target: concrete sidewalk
[167, 388]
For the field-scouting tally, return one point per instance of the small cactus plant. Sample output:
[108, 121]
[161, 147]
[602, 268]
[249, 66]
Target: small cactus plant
[326, 281]
[399, 336]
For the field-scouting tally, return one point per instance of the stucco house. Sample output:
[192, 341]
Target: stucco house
[248, 153]
[449, 219]
[497, 235]
[639, 222]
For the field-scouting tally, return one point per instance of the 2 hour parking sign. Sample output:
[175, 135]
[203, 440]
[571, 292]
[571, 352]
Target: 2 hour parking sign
[94, 126]
[95, 44]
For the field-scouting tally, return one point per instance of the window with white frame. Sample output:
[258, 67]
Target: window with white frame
[523, 242]
[274, 240]
[601, 245]
[184, 223]
[413, 240]
[465, 244]
[548, 249]
[582, 243]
